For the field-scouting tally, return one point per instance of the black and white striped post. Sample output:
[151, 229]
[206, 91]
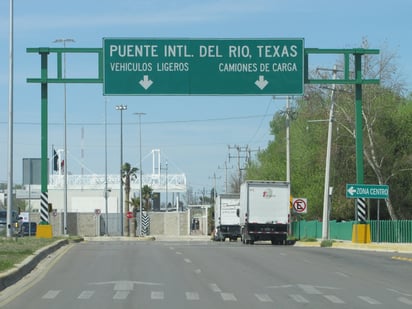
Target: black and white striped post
[361, 210]
[44, 207]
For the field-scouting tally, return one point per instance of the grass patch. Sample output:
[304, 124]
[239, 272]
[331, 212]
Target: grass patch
[326, 243]
[308, 239]
[15, 250]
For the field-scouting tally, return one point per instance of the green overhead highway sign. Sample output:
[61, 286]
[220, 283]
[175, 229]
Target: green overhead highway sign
[367, 191]
[138, 66]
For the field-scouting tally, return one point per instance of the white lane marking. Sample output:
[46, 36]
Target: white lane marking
[280, 286]
[157, 295]
[123, 286]
[121, 295]
[192, 296]
[309, 289]
[228, 297]
[369, 300]
[215, 288]
[171, 248]
[399, 292]
[198, 271]
[342, 274]
[188, 261]
[52, 294]
[178, 253]
[405, 300]
[264, 298]
[85, 295]
[299, 298]
[334, 299]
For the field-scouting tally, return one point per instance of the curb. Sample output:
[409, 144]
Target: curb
[10, 277]
[383, 247]
[402, 258]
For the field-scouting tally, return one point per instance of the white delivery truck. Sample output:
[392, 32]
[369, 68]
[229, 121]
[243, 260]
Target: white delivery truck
[226, 218]
[264, 211]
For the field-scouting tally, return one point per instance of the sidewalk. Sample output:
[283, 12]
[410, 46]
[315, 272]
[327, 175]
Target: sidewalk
[385, 247]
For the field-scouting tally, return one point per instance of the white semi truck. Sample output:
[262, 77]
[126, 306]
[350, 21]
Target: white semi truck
[226, 218]
[264, 211]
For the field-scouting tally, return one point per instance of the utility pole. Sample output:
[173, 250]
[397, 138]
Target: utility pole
[326, 191]
[225, 168]
[288, 140]
[242, 153]
[214, 177]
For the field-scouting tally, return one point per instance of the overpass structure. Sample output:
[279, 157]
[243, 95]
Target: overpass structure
[159, 180]
[159, 183]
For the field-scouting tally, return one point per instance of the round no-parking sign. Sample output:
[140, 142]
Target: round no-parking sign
[300, 205]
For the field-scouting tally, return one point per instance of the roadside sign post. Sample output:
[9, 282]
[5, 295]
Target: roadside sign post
[367, 191]
[361, 232]
[300, 205]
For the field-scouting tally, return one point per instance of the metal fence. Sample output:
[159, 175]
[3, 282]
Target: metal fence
[399, 231]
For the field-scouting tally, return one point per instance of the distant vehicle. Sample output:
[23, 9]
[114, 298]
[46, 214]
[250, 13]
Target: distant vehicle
[3, 217]
[226, 219]
[264, 211]
[27, 229]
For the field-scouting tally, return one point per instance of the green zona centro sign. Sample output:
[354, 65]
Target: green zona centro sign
[203, 67]
[367, 191]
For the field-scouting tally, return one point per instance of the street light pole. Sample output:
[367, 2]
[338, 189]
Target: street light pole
[64, 41]
[105, 170]
[167, 193]
[140, 170]
[121, 108]
[9, 220]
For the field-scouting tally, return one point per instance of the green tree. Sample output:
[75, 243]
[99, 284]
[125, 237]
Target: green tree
[128, 175]
[387, 118]
[135, 203]
[147, 193]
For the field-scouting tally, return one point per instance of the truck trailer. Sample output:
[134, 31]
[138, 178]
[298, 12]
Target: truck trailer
[226, 218]
[264, 211]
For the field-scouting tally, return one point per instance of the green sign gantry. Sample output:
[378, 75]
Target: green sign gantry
[367, 191]
[275, 62]
[134, 66]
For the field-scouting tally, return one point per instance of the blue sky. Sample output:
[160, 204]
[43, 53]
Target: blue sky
[192, 132]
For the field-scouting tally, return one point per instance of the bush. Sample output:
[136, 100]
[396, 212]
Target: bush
[309, 239]
[326, 243]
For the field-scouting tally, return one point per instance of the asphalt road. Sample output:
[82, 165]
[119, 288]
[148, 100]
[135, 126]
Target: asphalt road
[172, 275]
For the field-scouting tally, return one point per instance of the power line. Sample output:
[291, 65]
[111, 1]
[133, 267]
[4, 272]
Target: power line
[145, 123]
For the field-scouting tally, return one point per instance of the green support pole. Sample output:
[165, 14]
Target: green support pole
[358, 119]
[361, 231]
[44, 205]
[358, 129]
